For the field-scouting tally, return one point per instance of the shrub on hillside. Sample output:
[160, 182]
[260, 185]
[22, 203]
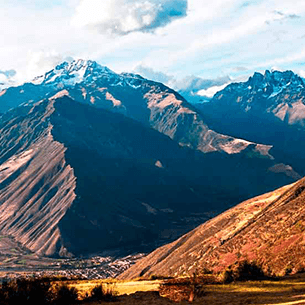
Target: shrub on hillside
[41, 291]
[244, 271]
[227, 276]
[100, 293]
[31, 291]
[63, 295]
[187, 289]
[248, 271]
[155, 277]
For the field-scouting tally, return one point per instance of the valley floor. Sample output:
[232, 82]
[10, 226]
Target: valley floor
[17, 261]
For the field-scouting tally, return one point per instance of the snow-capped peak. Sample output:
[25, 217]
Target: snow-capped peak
[71, 73]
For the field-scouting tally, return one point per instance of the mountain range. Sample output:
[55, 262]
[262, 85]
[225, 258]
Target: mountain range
[268, 229]
[92, 160]
[148, 102]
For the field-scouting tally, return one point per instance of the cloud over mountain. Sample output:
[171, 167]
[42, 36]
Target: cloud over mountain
[150, 73]
[8, 73]
[125, 16]
[6, 78]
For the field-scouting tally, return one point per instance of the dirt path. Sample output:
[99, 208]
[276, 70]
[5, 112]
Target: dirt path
[290, 303]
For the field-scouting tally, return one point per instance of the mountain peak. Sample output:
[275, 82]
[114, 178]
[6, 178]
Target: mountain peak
[79, 64]
[283, 77]
[274, 78]
[70, 73]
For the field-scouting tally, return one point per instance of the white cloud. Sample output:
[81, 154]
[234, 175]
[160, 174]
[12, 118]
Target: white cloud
[8, 73]
[188, 84]
[210, 92]
[7, 78]
[301, 73]
[126, 16]
[3, 78]
[215, 38]
[193, 84]
[150, 73]
[38, 63]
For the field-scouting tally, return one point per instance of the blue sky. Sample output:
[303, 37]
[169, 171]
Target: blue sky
[169, 38]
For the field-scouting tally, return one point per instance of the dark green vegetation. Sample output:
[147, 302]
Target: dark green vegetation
[194, 287]
[47, 291]
[244, 271]
[215, 292]
[200, 288]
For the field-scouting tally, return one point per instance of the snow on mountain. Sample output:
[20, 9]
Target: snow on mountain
[55, 133]
[73, 73]
[87, 71]
[269, 84]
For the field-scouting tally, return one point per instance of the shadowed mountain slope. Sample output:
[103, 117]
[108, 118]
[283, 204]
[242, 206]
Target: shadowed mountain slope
[77, 179]
[268, 229]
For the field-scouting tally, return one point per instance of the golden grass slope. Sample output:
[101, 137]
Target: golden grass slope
[268, 229]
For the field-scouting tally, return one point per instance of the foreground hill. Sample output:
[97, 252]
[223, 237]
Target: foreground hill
[268, 229]
[269, 108]
[77, 179]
